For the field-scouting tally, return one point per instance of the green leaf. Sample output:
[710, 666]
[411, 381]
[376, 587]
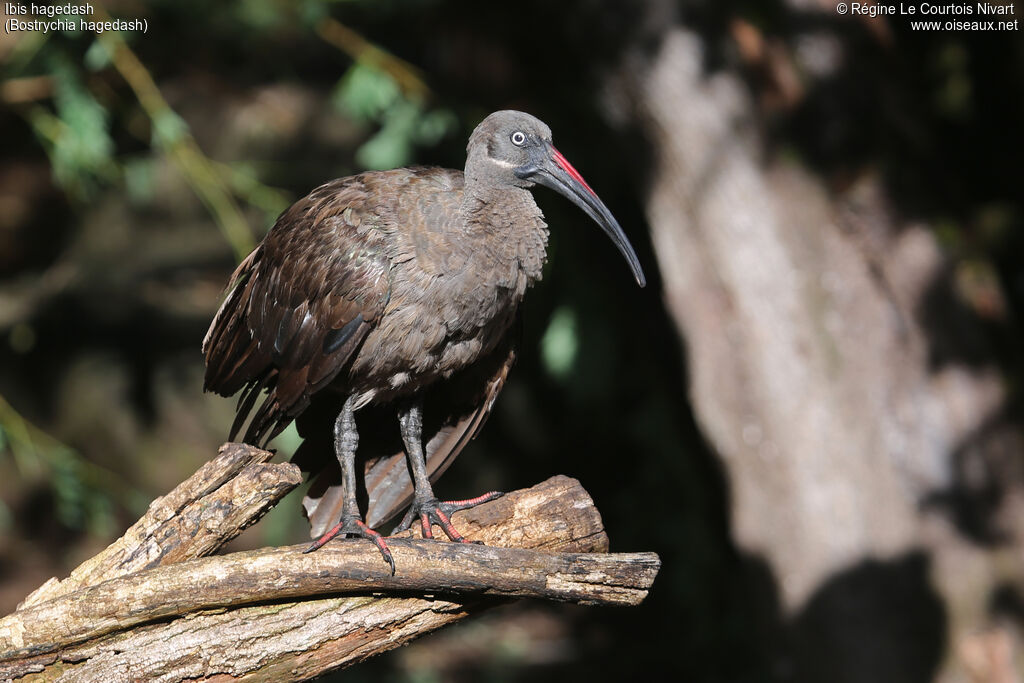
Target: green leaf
[97, 57]
[168, 128]
[384, 150]
[366, 92]
[69, 489]
[259, 14]
[370, 95]
[77, 139]
[392, 145]
[559, 347]
[312, 12]
[435, 125]
[139, 181]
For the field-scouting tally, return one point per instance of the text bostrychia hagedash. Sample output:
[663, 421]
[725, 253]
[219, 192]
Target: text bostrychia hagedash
[393, 290]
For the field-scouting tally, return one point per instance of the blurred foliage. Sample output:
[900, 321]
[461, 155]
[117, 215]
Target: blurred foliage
[560, 344]
[374, 96]
[84, 493]
[77, 138]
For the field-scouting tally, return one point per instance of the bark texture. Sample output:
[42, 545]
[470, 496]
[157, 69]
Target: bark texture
[150, 608]
[812, 376]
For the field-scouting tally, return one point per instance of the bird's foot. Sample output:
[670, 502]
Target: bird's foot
[353, 525]
[437, 512]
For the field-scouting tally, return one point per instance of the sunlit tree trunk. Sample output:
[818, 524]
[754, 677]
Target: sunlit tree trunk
[811, 378]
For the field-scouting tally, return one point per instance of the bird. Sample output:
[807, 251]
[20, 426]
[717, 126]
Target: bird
[393, 293]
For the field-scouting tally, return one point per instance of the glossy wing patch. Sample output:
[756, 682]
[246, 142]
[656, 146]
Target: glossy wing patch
[335, 339]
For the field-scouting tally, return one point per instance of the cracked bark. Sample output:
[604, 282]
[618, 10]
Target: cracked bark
[151, 608]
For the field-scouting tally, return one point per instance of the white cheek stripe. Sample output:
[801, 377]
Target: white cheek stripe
[502, 162]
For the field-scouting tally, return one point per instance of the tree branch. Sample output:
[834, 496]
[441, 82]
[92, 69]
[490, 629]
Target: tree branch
[350, 567]
[149, 608]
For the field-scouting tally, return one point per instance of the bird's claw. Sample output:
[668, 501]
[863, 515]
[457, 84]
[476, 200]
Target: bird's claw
[437, 512]
[352, 525]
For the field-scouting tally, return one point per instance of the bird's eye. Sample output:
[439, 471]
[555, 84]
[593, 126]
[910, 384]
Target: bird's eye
[518, 138]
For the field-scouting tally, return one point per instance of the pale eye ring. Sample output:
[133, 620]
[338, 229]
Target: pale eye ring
[518, 138]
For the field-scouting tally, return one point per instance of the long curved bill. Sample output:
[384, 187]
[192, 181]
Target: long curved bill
[551, 169]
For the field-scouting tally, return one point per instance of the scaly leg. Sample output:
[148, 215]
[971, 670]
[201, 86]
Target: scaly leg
[346, 440]
[425, 504]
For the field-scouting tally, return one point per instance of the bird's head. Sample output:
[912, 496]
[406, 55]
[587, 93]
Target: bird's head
[512, 148]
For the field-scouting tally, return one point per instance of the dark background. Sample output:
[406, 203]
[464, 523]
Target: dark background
[123, 210]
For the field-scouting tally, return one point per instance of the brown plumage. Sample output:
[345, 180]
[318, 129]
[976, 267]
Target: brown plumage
[399, 289]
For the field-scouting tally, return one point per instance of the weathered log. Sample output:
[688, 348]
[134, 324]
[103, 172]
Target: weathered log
[145, 609]
[351, 567]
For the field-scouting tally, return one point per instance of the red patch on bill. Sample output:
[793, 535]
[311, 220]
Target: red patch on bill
[567, 167]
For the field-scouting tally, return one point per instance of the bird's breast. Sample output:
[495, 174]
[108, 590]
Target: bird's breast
[434, 327]
[457, 279]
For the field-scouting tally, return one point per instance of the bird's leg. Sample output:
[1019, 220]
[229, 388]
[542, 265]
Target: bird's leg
[425, 504]
[346, 440]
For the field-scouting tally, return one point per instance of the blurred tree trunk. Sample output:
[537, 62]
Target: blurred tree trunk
[810, 376]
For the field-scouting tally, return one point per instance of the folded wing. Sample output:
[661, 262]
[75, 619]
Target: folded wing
[299, 307]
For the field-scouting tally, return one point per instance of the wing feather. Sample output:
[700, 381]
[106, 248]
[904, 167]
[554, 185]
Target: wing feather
[321, 268]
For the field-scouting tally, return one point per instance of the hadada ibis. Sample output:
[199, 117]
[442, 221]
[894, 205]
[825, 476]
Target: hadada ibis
[396, 291]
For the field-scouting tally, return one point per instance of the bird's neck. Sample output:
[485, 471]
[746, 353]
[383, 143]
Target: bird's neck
[506, 226]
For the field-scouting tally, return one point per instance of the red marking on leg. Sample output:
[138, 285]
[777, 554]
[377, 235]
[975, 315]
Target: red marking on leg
[322, 541]
[378, 541]
[449, 529]
[356, 527]
[472, 502]
[425, 525]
